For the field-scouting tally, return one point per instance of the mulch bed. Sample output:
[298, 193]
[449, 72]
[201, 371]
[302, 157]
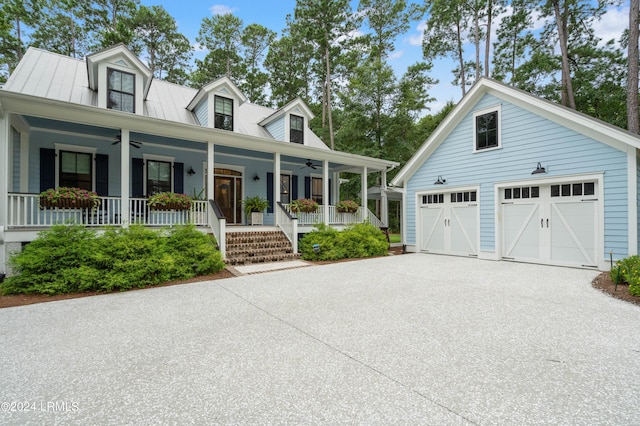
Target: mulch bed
[604, 283]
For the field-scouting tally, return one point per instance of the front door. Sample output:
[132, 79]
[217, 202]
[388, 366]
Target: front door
[228, 194]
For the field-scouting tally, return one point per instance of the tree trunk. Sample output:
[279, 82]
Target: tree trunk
[476, 37]
[329, 95]
[463, 81]
[487, 44]
[567, 87]
[632, 72]
[19, 39]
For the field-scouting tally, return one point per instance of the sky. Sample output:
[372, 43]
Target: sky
[272, 14]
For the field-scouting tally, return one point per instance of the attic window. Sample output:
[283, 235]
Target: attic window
[121, 87]
[486, 129]
[223, 113]
[297, 129]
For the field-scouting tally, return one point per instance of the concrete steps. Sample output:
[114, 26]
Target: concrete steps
[258, 247]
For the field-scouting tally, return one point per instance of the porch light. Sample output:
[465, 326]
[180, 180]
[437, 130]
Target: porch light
[440, 181]
[191, 172]
[256, 177]
[539, 169]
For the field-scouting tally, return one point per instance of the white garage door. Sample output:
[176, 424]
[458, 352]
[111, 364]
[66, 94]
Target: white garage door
[556, 223]
[449, 223]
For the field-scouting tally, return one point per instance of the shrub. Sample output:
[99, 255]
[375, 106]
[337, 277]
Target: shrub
[305, 205]
[347, 206]
[169, 201]
[629, 272]
[71, 258]
[355, 241]
[68, 197]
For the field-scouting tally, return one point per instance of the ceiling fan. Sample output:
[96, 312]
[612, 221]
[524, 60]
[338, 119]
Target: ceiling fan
[134, 144]
[310, 164]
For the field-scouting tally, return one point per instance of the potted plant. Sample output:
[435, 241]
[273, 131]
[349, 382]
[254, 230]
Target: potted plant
[347, 206]
[304, 205]
[69, 198]
[169, 201]
[254, 208]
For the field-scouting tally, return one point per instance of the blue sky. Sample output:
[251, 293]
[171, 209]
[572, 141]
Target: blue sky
[272, 14]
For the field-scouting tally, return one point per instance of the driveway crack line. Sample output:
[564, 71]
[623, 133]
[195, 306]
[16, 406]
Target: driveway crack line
[341, 352]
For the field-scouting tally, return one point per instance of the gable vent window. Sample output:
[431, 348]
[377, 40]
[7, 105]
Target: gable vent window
[486, 131]
[297, 129]
[224, 113]
[121, 90]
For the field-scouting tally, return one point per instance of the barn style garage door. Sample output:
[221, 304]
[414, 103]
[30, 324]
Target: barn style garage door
[449, 223]
[554, 223]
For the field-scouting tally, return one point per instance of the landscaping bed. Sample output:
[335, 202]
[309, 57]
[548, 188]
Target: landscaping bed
[604, 283]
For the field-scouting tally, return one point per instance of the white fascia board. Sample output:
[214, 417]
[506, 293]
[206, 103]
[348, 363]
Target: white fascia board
[208, 88]
[83, 114]
[297, 102]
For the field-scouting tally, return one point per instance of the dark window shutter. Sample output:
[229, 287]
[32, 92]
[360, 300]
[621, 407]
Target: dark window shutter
[270, 191]
[307, 187]
[102, 175]
[294, 187]
[178, 178]
[137, 177]
[47, 168]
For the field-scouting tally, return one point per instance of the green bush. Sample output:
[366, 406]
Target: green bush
[628, 271]
[355, 241]
[72, 258]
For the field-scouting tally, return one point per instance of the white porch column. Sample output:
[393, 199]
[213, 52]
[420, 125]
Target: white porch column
[325, 190]
[336, 187]
[5, 135]
[210, 169]
[384, 202]
[125, 178]
[363, 189]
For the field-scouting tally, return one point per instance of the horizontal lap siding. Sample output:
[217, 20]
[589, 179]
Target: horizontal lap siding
[526, 140]
[276, 129]
[202, 112]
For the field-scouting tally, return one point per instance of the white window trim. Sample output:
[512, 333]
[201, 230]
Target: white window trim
[76, 148]
[496, 108]
[102, 86]
[153, 157]
[288, 128]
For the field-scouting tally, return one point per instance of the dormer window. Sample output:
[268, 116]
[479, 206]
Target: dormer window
[121, 90]
[296, 134]
[486, 129]
[224, 113]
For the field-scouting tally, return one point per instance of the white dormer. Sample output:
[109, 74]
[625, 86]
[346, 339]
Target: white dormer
[216, 104]
[120, 78]
[290, 123]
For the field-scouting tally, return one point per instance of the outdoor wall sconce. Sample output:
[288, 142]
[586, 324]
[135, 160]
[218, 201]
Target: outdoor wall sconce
[256, 177]
[191, 172]
[539, 169]
[440, 181]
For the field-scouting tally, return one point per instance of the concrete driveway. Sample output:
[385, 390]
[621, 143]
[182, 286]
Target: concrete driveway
[413, 339]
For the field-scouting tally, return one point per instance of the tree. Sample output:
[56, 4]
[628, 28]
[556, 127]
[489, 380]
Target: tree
[16, 14]
[111, 22]
[444, 34]
[255, 40]
[221, 35]
[67, 14]
[156, 34]
[326, 23]
[289, 64]
[632, 69]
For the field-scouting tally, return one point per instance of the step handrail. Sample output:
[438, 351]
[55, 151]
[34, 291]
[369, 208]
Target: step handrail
[288, 224]
[218, 222]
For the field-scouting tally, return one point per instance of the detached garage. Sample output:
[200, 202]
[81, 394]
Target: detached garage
[509, 176]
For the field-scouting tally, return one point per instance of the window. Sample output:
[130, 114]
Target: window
[573, 189]
[120, 90]
[433, 199]
[521, 192]
[158, 177]
[75, 170]
[224, 113]
[463, 197]
[296, 133]
[316, 189]
[285, 189]
[486, 130]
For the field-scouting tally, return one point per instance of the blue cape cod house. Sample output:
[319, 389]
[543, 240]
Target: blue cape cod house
[509, 176]
[104, 124]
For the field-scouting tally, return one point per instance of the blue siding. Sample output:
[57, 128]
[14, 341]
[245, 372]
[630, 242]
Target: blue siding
[202, 112]
[276, 129]
[15, 136]
[526, 140]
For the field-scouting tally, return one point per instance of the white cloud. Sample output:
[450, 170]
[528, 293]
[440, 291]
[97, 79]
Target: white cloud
[612, 24]
[221, 9]
[396, 55]
[416, 39]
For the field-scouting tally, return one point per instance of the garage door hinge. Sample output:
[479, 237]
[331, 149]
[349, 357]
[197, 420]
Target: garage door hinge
[589, 266]
[508, 258]
[473, 255]
[590, 199]
[507, 203]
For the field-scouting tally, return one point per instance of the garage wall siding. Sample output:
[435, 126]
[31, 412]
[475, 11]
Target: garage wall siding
[526, 140]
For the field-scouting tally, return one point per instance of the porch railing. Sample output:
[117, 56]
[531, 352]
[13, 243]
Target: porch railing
[218, 226]
[288, 224]
[335, 217]
[25, 211]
